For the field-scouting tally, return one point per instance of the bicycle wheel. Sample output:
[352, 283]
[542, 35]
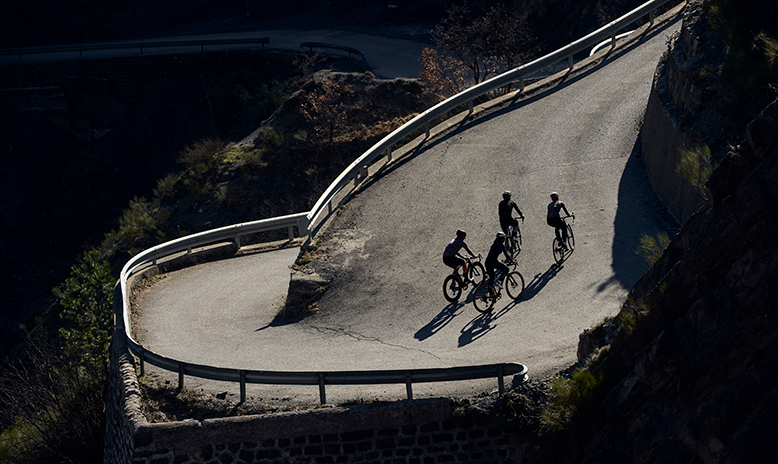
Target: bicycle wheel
[452, 287]
[570, 238]
[477, 273]
[483, 298]
[514, 285]
[558, 251]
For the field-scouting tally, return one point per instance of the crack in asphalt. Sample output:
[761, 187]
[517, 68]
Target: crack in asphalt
[360, 337]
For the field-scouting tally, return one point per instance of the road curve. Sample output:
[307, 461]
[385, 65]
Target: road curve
[384, 308]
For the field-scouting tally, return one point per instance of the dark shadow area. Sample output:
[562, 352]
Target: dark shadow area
[442, 319]
[539, 281]
[639, 212]
[485, 322]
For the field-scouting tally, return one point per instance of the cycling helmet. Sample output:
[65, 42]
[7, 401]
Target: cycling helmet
[554, 194]
[500, 235]
[461, 234]
[506, 194]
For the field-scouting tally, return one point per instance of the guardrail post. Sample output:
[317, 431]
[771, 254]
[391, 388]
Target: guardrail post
[470, 106]
[181, 369]
[389, 154]
[613, 38]
[570, 62]
[242, 386]
[500, 381]
[237, 240]
[290, 229]
[651, 19]
[408, 387]
[142, 362]
[302, 227]
[427, 129]
[521, 80]
[322, 394]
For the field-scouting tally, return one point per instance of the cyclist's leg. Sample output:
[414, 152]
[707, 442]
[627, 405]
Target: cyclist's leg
[490, 273]
[503, 271]
[453, 262]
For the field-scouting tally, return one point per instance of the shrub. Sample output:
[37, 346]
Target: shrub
[651, 248]
[568, 395]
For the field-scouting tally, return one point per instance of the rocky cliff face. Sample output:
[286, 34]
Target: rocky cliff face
[690, 374]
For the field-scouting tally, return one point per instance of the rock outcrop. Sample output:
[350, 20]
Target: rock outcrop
[690, 374]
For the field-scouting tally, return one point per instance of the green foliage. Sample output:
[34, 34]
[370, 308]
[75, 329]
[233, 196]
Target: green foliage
[568, 395]
[87, 301]
[631, 313]
[202, 152]
[275, 139]
[141, 222]
[651, 248]
[695, 167]
[166, 187]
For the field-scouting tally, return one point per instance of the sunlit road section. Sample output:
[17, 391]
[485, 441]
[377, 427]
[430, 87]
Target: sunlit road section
[384, 308]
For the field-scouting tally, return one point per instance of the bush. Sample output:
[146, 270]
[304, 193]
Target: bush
[568, 395]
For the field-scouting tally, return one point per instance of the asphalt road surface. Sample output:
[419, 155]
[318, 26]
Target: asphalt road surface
[384, 308]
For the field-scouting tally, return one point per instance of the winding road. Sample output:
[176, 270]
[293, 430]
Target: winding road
[384, 308]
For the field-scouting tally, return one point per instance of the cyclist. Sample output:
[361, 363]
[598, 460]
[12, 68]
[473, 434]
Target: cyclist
[451, 256]
[505, 209]
[493, 261]
[554, 219]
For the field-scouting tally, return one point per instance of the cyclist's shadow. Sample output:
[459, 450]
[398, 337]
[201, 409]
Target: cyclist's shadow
[442, 319]
[540, 281]
[482, 324]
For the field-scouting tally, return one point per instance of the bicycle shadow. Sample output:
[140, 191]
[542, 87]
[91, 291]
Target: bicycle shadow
[442, 319]
[482, 324]
[540, 280]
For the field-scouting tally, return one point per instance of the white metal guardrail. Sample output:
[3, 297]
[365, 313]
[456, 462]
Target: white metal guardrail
[304, 222]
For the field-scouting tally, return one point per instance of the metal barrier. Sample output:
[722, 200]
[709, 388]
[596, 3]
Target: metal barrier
[324, 378]
[131, 45]
[304, 221]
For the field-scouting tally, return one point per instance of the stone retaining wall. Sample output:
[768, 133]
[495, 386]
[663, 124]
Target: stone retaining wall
[673, 101]
[425, 431]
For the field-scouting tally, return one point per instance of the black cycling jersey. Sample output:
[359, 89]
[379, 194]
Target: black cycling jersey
[493, 257]
[506, 207]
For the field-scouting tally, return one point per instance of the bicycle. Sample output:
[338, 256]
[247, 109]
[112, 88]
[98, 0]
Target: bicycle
[485, 294]
[453, 283]
[558, 249]
[513, 246]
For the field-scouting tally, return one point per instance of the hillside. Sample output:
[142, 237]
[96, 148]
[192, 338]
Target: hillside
[686, 369]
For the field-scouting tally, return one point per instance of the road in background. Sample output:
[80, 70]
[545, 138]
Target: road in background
[387, 57]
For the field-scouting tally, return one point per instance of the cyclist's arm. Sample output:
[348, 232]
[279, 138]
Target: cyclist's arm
[472, 255]
[565, 208]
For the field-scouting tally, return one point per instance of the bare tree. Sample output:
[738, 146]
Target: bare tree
[483, 45]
